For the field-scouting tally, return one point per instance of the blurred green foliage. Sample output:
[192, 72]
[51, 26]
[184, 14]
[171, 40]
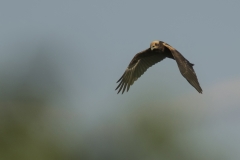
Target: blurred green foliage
[34, 125]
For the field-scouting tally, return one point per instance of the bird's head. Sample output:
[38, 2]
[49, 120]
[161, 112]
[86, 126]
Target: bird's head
[155, 45]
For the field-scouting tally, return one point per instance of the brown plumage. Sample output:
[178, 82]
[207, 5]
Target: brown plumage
[157, 51]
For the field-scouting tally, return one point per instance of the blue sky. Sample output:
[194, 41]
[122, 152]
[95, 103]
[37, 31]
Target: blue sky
[93, 41]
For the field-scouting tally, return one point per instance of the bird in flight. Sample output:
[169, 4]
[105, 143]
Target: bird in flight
[157, 51]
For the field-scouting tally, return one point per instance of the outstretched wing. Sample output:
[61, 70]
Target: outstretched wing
[185, 67]
[139, 64]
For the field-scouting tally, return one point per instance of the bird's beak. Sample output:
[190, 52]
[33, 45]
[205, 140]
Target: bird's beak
[153, 47]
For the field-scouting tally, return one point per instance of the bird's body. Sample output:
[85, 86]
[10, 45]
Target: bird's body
[157, 51]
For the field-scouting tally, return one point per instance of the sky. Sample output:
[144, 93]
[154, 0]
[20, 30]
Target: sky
[87, 45]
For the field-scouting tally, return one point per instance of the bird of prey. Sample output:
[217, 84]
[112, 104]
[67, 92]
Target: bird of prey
[157, 51]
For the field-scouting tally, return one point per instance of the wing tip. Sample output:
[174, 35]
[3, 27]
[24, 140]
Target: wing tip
[199, 90]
